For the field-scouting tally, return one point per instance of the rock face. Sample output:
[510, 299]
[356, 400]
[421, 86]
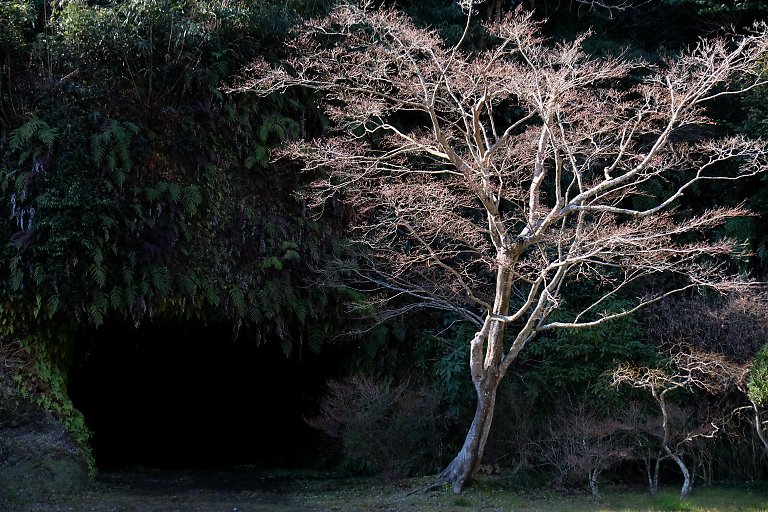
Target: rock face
[38, 459]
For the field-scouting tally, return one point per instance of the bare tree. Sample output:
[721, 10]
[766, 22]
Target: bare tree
[735, 327]
[579, 443]
[481, 183]
[688, 369]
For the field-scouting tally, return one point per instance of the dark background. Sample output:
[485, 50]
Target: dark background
[175, 395]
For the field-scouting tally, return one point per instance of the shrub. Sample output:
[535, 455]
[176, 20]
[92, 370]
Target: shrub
[381, 428]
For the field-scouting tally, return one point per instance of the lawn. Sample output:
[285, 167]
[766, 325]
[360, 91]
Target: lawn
[248, 490]
[491, 494]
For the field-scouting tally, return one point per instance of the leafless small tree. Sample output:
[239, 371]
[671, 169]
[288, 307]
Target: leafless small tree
[482, 183]
[580, 443]
[761, 424]
[735, 327]
[688, 369]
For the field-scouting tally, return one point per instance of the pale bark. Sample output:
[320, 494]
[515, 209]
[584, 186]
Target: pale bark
[687, 484]
[686, 488]
[760, 428]
[464, 466]
[489, 221]
[689, 369]
[593, 485]
[653, 479]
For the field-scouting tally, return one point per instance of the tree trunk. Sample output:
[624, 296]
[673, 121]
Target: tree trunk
[686, 489]
[759, 428]
[464, 466]
[653, 473]
[485, 358]
[593, 486]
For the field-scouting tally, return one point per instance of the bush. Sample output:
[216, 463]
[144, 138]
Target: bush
[385, 429]
[757, 384]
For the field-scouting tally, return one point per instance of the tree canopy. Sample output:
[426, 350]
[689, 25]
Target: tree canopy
[484, 183]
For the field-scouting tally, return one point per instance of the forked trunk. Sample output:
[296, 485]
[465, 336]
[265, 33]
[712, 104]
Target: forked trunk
[464, 466]
[485, 357]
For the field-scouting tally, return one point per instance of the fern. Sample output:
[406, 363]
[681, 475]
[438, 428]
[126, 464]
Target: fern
[315, 337]
[266, 299]
[17, 274]
[192, 198]
[97, 149]
[38, 275]
[111, 148]
[97, 271]
[254, 313]
[117, 299]
[209, 292]
[128, 276]
[238, 299]
[152, 194]
[131, 297]
[32, 133]
[187, 285]
[174, 190]
[52, 304]
[98, 309]
[272, 262]
[300, 310]
[161, 279]
[286, 342]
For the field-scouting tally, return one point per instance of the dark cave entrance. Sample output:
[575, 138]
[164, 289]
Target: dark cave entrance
[182, 395]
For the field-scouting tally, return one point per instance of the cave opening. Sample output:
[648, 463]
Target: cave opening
[184, 395]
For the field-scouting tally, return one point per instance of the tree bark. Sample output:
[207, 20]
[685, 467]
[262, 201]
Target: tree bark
[654, 479]
[593, 485]
[686, 489]
[464, 466]
[759, 428]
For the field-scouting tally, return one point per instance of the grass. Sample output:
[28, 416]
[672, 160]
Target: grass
[250, 490]
[491, 494]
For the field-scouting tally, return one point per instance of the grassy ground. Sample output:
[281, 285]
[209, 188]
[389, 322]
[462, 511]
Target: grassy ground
[250, 491]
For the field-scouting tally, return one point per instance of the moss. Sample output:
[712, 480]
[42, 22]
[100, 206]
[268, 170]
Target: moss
[38, 458]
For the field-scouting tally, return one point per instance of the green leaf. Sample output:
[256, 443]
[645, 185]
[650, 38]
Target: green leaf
[193, 198]
[237, 297]
[53, 304]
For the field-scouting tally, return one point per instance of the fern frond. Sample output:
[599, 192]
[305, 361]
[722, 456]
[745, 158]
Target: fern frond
[315, 338]
[97, 149]
[23, 134]
[192, 198]
[209, 292]
[53, 304]
[17, 274]
[117, 299]
[238, 299]
[161, 279]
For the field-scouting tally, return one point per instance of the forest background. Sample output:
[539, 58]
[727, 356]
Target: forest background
[138, 192]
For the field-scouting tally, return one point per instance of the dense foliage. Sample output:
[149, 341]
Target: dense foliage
[135, 187]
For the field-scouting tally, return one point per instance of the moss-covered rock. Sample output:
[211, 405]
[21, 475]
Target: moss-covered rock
[37, 456]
